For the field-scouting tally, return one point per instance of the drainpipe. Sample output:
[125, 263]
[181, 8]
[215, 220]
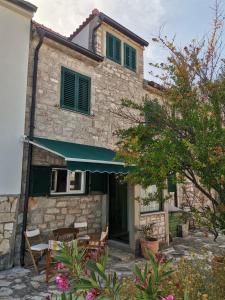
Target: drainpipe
[30, 137]
[93, 36]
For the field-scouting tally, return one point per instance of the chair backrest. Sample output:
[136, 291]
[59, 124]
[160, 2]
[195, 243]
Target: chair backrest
[65, 234]
[54, 245]
[32, 233]
[33, 237]
[80, 225]
[104, 234]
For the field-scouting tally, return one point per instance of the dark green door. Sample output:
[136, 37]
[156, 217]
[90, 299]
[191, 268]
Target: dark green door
[118, 217]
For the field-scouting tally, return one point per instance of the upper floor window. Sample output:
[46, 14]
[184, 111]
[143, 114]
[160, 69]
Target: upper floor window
[75, 91]
[113, 48]
[129, 57]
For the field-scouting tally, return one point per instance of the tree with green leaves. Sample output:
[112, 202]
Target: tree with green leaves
[182, 132]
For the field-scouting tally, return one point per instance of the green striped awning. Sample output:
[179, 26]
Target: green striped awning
[83, 157]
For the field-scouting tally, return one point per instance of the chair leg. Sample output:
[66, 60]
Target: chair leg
[47, 266]
[34, 263]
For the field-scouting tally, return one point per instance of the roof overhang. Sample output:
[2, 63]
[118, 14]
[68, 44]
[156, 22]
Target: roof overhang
[65, 42]
[24, 4]
[122, 29]
[104, 18]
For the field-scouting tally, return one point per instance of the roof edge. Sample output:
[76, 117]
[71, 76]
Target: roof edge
[93, 14]
[24, 4]
[122, 29]
[65, 42]
[153, 85]
[103, 17]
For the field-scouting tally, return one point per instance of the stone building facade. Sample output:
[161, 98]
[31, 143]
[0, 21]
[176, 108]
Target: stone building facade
[110, 82]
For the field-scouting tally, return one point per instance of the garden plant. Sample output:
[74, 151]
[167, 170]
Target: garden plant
[155, 279]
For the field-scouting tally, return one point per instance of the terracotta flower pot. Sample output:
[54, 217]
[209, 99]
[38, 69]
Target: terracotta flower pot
[218, 263]
[146, 245]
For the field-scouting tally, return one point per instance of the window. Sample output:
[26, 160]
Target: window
[171, 183]
[64, 181]
[75, 91]
[129, 57]
[151, 206]
[113, 48]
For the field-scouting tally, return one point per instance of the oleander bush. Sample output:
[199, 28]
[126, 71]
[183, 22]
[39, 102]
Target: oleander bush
[196, 278]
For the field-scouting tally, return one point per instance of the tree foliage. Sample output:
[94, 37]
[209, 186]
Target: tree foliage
[182, 131]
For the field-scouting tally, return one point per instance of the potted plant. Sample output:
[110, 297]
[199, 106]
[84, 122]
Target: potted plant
[218, 263]
[148, 241]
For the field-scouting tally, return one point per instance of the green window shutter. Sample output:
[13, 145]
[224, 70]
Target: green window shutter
[129, 57]
[171, 182]
[99, 182]
[84, 91]
[68, 88]
[40, 179]
[109, 45]
[126, 55]
[117, 50]
[113, 48]
[133, 59]
[75, 91]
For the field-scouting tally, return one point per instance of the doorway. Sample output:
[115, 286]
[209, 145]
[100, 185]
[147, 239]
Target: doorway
[118, 209]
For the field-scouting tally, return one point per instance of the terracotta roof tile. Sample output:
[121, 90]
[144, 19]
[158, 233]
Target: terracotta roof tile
[95, 12]
[38, 25]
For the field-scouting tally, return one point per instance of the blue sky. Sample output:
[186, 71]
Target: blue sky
[187, 19]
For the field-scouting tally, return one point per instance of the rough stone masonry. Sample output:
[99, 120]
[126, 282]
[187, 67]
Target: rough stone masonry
[8, 218]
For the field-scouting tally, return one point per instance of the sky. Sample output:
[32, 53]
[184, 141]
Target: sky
[187, 19]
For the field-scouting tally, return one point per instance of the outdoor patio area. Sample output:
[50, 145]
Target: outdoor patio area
[19, 283]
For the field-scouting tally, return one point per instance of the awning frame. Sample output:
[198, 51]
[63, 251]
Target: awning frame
[74, 159]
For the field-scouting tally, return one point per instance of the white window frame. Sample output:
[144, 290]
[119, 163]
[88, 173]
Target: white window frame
[146, 209]
[68, 191]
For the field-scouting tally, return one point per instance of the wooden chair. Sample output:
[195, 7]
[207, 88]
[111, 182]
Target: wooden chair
[65, 234]
[82, 226]
[97, 248]
[36, 248]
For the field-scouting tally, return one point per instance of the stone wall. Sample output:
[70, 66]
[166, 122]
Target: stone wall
[51, 213]
[159, 219]
[110, 82]
[8, 221]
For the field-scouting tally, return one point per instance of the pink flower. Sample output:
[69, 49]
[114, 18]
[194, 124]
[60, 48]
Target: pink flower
[62, 282]
[137, 280]
[60, 266]
[91, 294]
[169, 297]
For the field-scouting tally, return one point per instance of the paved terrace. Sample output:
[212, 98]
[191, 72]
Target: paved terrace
[19, 283]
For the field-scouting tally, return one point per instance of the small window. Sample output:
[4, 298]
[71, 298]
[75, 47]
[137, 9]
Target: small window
[150, 206]
[113, 48]
[64, 181]
[75, 91]
[129, 57]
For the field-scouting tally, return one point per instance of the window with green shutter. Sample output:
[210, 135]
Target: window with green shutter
[129, 57]
[40, 179]
[113, 48]
[75, 91]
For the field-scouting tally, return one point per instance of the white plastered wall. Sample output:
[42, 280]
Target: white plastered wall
[14, 51]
